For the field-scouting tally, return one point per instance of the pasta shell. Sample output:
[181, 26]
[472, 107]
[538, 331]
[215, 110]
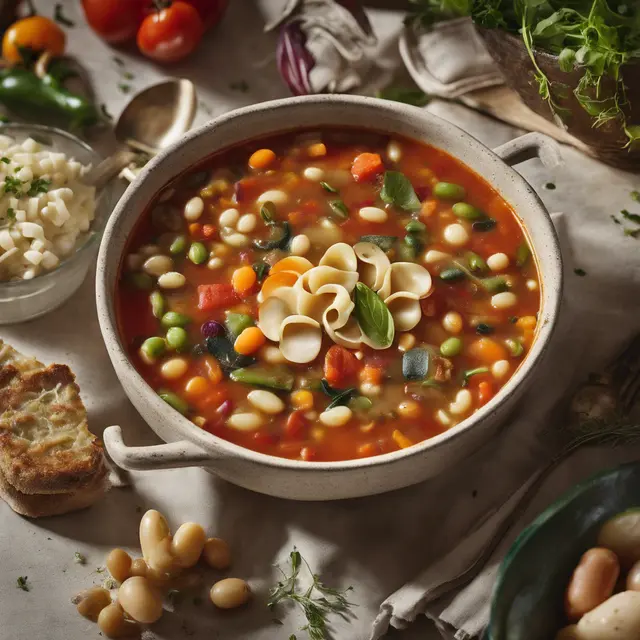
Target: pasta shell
[282, 279]
[373, 264]
[349, 336]
[339, 312]
[340, 256]
[313, 305]
[319, 276]
[274, 310]
[405, 310]
[300, 339]
[292, 263]
[406, 277]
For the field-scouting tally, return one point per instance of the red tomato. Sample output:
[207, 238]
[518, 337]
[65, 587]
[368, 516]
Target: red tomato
[171, 34]
[211, 11]
[115, 21]
[215, 296]
[340, 366]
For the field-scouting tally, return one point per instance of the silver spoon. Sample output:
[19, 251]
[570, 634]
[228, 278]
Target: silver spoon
[154, 119]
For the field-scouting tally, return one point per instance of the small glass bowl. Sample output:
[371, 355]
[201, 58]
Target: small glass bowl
[22, 300]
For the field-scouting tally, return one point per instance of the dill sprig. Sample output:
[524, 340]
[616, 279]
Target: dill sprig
[317, 602]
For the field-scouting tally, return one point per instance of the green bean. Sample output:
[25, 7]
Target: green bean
[142, 281]
[467, 211]
[198, 253]
[174, 401]
[452, 275]
[475, 262]
[174, 319]
[451, 347]
[153, 347]
[522, 254]
[515, 347]
[449, 191]
[157, 304]
[177, 338]
[415, 226]
[179, 245]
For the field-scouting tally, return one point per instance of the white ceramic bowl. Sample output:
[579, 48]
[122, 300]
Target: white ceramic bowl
[22, 300]
[191, 446]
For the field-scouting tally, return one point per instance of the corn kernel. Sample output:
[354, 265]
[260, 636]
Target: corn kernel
[401, 440]
[526, 322]
[302, 399]
[196, 386]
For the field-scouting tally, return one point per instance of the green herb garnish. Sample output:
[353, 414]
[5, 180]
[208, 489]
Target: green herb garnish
[550, 186]
[472, 372]
[268, 213]
[13, 185]
[118, 61]
[398, 191]
[78, 558]
[11, 214]
[58, 16]
[127, 75]
[338, 397]
[580, 272]
[339, 209]
[327, 187]
[124, 87]
[39, 185]
[105, 111]
[240, 85]
[317, 602]
[261, 269]
[631, 217]
[5, 160]
[635, 195]
[373, 316]
[22, 583]
[416, 97]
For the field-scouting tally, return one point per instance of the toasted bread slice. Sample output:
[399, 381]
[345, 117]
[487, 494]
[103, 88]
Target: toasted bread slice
[45, 444]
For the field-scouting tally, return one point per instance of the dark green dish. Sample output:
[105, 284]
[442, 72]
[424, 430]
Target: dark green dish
[529, 594]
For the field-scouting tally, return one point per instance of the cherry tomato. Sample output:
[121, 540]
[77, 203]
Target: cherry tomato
[115, 21]
[172, 33]
[36, 33]
[211, 11]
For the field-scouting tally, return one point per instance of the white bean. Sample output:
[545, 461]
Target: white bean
[462, 403]
[503, 300]
[432, 256]
[172, 280]
[370, 389]
[452, 322]
[498, 261]
[266, 401]
[373, 214]
[229, 218]
[230, 593]
[500, 368]
[336, 417]
[217, 553]
[272, 355]
[157, 265]
[174, 368]
[140, 600]
[456, 235]
[394, 151]
[315, 174]
[273, 195]
[247, 223]
[193, 209]
[300, 245]
[443, 418]
[149, 250]
[215, 263]
[153, 529]
[532, 285]
[188, 543]
[405, 342]
[245, 421]
[236, 240]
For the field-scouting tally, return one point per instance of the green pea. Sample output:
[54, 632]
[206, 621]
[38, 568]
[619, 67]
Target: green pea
[198, 253]
[360, 403]
[174, 401]
[177, 338]
[415, 226]
[153, 347]
[157, 304]
[179, 245]
[515, 347]
[174, 319]
[452, 275]
[475, 262]
[142, 281]
[451, 347]
[467, 211]
[449, 191]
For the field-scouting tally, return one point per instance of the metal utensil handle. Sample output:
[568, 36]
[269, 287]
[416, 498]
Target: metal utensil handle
[110, 167]
[528, 146]
[173, 455]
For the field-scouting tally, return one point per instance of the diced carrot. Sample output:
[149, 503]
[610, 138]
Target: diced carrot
[340, 366]
[214, 398]
[371, 374]
[316, 150]
[485, 392]
[308, 454]
[262, 158]
[292, 263]
[196, 386]
[487, 350]
[428, 208]
[249, 341]
[214, 372]
[195, 229]
[367, 450]
[208, 230]
[526, 322]
[296, 424]
[400, 439]
[215, 296]
[277, 280]
[243, 280]
[366, 166]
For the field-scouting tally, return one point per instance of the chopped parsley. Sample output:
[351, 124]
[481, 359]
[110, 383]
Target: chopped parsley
[5, 160]
[124, 87]
[580, 272]
[12, 185]
[11, 214]
[631, 217]
[615, 219]
[39, 185]
[240, 85]
[635, 195]
[118, 61]
[127, 75]
[17, 169]
[59, 17]
[550, 186]
[105, 112]
[205, 107]
[22, 583]
[78, 558]
[109, 583]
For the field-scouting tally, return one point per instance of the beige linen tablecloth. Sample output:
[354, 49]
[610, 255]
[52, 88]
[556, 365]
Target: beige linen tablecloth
[375, 544]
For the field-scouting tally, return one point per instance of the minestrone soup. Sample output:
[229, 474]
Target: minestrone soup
[328, 295]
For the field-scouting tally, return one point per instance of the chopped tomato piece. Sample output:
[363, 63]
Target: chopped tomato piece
[340, 366]
[296, 424]
[208, 230]
[264, 439]
[371, 374]
[429, 307]
[307, 454]
[366, 166]
[216, 296]
[485, 393]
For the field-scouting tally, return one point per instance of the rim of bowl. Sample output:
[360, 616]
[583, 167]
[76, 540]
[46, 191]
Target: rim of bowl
[188, 430]
[532, 530]
[97, 232]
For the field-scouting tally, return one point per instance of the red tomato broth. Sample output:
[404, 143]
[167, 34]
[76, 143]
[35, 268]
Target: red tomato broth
[307, 202]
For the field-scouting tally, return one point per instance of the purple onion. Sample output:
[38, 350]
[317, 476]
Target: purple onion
[238, 191]
[294, 60]
[224, 410]
[211, 329]
[423, 192]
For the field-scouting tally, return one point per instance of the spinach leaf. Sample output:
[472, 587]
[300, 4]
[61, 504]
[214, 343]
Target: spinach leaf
[398, 191]
[373, 316]
[384, 242]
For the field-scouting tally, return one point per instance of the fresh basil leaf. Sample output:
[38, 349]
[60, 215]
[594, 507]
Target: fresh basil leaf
[262, 270]
[339, 209]
[327, 187]
[373, 316]
[398, 191]
[268, 213]
[342, 398]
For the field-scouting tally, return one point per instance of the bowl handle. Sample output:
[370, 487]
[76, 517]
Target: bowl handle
[530, 145]
[162, 456]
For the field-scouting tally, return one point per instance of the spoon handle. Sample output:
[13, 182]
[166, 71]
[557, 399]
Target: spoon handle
[110, 167]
